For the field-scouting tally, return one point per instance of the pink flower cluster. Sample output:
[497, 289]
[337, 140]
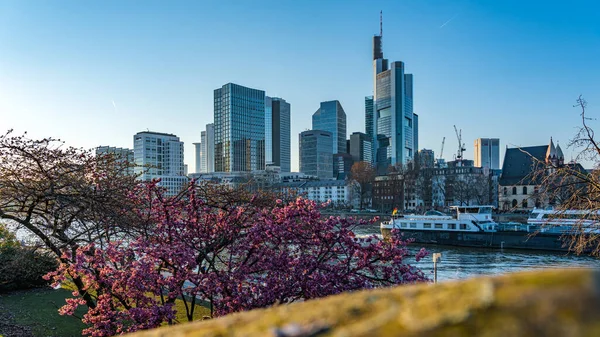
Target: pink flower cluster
[235, 258]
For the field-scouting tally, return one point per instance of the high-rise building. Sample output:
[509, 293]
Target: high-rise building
[370, 122]
[342, 164]
[160, 155]
[487, 153]
[426, 159]
[204, 151]
[277, 133]
[208, 148]
[203, 154]
[124, 156]
[316, 153]
[198, 157]
[239, 128]
[416, 133]
[393, 110]
[361, 147]
[331, 117]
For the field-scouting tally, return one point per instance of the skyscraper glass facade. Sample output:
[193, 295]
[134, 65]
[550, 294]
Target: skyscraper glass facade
[239, 128]
[268, 130]
[331, 117]
[316, 153]
[395, 134]
[277, 132]
[370, 121]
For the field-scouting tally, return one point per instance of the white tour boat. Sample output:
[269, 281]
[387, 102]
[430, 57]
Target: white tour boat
[551, 220]
[467, 219]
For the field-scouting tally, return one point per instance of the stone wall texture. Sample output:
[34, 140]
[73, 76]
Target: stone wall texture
[542, 303]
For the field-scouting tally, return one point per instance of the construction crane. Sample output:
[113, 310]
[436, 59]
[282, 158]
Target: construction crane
[461, 146]
[441, 153]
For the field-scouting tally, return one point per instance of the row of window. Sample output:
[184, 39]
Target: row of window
[436, 226]
[514, 190]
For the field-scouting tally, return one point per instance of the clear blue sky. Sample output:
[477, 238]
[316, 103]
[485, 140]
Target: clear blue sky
[506, 69]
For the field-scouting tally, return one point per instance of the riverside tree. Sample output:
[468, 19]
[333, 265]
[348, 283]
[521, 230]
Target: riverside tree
[232, 249]
[567, 186]
[64, 197]
[363, 174]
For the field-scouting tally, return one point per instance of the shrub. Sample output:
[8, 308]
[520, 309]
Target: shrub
[23, 268]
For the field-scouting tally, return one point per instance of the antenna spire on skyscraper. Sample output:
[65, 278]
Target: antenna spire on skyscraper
[380, 23]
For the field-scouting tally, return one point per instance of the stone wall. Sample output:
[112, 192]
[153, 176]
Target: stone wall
[543, 303]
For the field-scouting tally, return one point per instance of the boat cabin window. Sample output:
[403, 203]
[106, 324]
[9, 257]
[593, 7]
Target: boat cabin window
[485, 210]
[439, 226]
[451, 226]
[475, 210]
[413, 225]
[463, 226]
[403, 224]
[426, 225]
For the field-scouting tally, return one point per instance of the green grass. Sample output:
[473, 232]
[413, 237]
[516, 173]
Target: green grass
[38, 310]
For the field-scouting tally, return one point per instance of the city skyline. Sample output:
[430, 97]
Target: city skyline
[107, 66]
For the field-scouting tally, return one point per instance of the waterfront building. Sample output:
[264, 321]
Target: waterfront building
[487, 153]
[124, 156]
[160, 156]
[523, 171]
[361, 147]
[394, 122]
[277, 133]
[239, 128]
[316, 153]
[331, 117]
[337, 192]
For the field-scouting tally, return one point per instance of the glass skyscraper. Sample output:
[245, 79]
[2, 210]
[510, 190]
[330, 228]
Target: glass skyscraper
[316, 153]
[239, 128]
[393, 118]
[277, 133]
[331, 117]
[361, 147]
[370, 130]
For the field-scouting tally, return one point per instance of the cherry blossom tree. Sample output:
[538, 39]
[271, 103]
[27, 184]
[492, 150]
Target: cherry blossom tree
[234, 250]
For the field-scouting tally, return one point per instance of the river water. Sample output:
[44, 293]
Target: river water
[463, 262]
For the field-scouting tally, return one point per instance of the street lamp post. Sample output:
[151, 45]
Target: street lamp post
[437, 257]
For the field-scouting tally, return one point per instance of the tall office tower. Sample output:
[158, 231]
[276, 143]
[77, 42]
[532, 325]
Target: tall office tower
[342, 164]
[393, 110]
[487, 153]
[277, 133]
[208, 147]
[160, 155]
[239, 128]
[416, 133]
[426, 159]
[203, 150]
[332, 118]
[370, 122]
[316, 153]
[198, 157]
[123, 156]
[360, 147]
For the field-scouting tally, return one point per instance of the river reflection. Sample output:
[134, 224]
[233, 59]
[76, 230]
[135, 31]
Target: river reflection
[464, 262]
